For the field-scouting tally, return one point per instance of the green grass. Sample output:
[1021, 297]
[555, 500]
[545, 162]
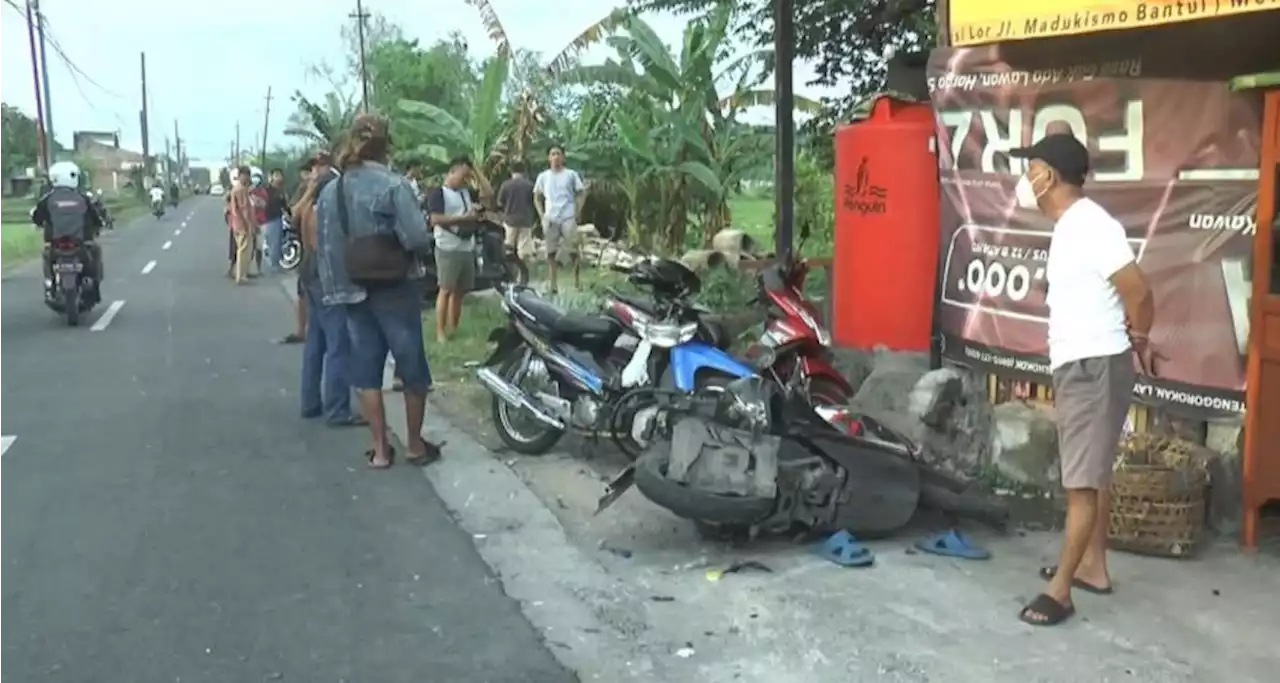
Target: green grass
[754, 216]
[470, 343]
[21, 241]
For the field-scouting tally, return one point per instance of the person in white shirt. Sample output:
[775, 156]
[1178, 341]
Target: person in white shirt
[558, 194]
[1100, 313]
[157, 195]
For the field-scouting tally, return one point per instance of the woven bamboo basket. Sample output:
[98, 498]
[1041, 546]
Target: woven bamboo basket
[1158, 496]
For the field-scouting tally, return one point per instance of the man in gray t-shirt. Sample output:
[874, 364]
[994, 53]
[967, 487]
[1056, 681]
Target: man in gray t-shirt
[453, 213]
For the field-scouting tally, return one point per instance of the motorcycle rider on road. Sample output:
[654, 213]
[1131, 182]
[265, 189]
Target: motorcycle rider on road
[66, 210]
[157, 198]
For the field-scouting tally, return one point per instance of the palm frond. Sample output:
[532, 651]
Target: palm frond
[766, 98]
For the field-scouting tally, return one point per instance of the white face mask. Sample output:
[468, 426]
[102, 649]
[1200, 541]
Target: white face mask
[1025, 193]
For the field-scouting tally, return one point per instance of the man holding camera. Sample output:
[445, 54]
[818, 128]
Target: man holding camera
[454, 214]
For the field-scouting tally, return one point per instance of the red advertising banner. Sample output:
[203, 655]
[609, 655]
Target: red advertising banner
[1174, 161]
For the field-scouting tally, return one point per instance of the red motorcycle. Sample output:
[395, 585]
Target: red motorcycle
[795, 338]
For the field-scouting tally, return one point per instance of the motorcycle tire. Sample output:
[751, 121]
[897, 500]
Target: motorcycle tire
[71, 306]
[290, 254]
[988, 510]
[538, 445]
[651, 479]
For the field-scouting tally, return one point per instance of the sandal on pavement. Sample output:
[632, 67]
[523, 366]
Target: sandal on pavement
[432, 455]
[952, 543]
[370, 454]
[1044, 610]
[1047, 573]
[843, 549]
[291, 338]
[349, 421]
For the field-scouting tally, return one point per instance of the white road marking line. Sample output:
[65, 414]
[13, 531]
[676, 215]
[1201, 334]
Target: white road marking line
[108, 316]
[184, 223]
[177, 232]
[166, 245]
[6, 442]
[151, 265]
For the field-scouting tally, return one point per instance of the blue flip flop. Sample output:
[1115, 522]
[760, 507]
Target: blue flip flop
[843, 549]
[952, 543]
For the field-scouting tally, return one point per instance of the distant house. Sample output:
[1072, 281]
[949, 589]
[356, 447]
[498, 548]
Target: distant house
[108, 165]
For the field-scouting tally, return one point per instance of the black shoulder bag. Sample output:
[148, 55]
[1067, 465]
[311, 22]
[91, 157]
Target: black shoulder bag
[468, 230]
[371, 260]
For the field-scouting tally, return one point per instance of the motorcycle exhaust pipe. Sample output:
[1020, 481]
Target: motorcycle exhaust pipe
[514, 397]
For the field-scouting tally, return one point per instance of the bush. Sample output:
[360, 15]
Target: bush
[727, 290]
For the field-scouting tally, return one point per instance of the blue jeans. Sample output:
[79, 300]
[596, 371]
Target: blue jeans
[326, 384]
[274, 232]
[388, 321]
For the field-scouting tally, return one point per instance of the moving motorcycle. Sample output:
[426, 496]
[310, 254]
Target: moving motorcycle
[68, 292]
[107, 221]
[495, 263]
[580, 377]
[763, 459]
[157, 208]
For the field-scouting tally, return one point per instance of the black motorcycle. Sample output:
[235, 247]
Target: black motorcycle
[761, 459]
[495, 263]
[72, 290]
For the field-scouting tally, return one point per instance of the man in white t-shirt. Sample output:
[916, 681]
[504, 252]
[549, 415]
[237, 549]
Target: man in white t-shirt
[1100, 311]
[558, 194]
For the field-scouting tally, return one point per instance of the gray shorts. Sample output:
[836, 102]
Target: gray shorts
[1092, 397]
[456, 270]
[561, 237]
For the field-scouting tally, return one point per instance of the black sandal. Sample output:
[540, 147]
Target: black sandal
[1052, 611]
[370, 454]
[432, 455]
[1047, 573]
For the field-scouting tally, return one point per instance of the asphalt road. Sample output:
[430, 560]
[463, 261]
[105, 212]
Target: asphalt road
[168, 517]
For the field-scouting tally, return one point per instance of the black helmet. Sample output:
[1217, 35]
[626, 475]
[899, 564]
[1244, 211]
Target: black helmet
[668, 278]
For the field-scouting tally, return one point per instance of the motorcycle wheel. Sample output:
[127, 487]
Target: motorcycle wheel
[290, 254]
[538, 440]
[517, 270]
[71, 305]
[651, 479]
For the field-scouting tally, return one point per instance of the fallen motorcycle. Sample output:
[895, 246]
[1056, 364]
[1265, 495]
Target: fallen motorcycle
[763, 459]
[495, 264]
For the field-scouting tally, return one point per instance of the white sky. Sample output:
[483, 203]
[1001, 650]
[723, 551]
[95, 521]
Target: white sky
[209, 63]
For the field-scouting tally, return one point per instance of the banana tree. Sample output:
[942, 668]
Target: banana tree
[321, 123]
[444, 136]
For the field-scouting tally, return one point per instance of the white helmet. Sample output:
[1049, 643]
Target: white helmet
[255, 175]
[65, 174]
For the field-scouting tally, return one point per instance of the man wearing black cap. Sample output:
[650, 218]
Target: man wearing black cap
[1100, 311]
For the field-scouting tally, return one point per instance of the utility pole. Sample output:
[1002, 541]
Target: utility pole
[177, 149]
[42, 149]
[44, 75]
[784, 159]
[147, 162]
[168, 162]
[360, 15]
[236, 153]
[266, 123]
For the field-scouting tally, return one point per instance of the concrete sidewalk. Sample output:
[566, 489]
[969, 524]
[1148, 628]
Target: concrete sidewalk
[625, 596]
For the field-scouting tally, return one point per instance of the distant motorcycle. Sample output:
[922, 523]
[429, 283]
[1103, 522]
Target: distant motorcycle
[107, 221]
[157, 209]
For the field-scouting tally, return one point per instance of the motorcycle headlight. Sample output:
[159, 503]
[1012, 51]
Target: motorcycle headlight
[666, 335]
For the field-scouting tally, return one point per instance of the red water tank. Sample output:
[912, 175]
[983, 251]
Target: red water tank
[886, 232]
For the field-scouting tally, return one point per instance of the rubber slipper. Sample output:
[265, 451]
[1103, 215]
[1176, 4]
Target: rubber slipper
[952, 543]
[843, 549]
[291, 338]
[1054, 612]
[1047, 573]
[433, 454]
[370, 454]
[349, 421]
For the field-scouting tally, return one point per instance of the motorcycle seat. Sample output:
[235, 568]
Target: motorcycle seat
[567, 324]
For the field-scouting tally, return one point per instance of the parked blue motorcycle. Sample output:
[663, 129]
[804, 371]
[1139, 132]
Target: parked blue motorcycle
[554, 369]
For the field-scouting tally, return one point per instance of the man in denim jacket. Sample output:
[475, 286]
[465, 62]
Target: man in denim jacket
[386, 319]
